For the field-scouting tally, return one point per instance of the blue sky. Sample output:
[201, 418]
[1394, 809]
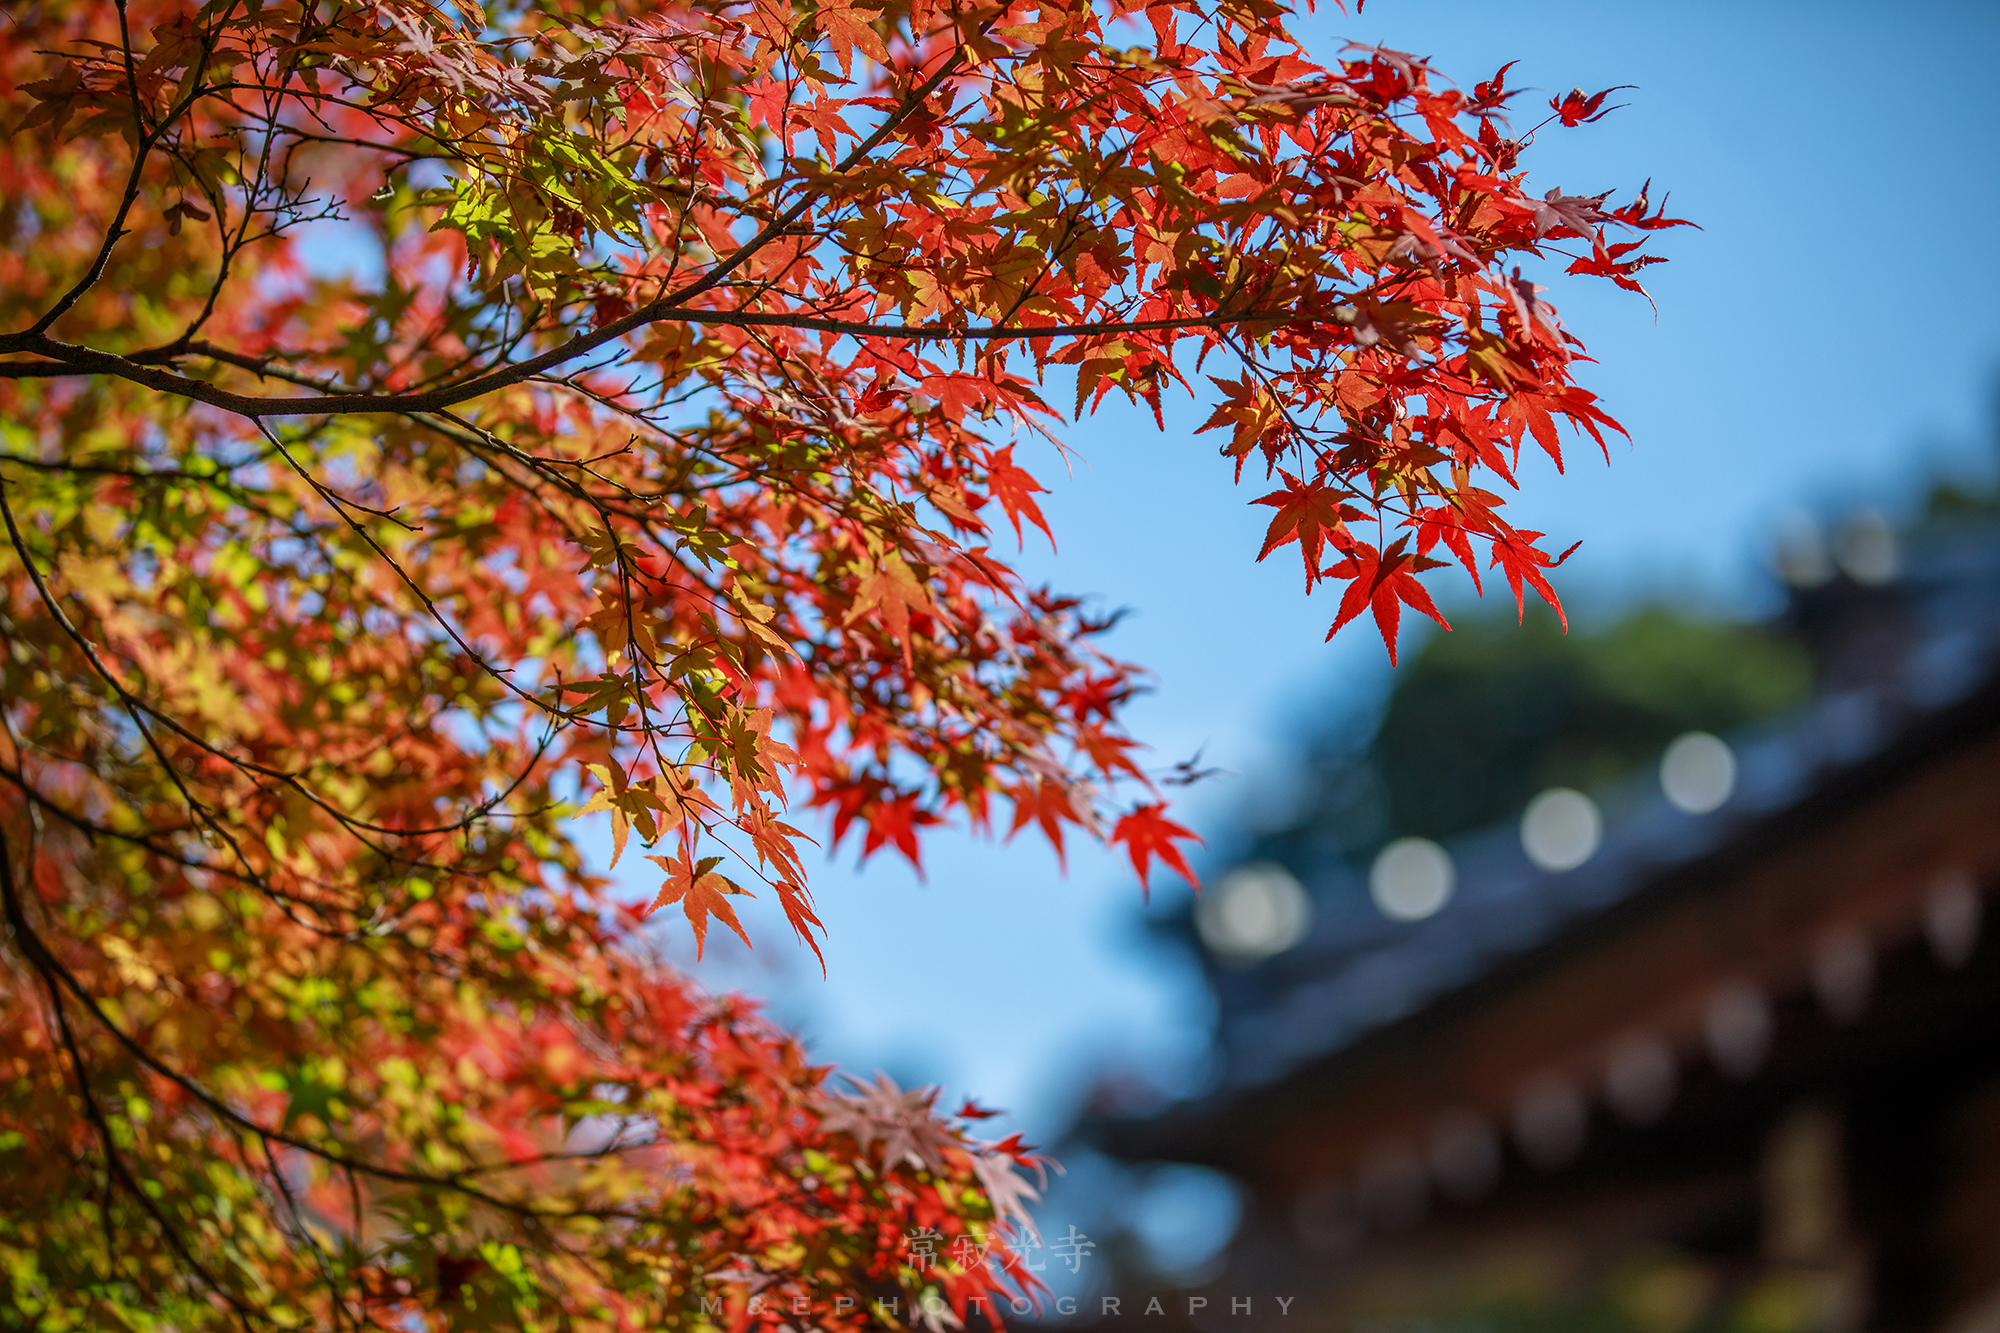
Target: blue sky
[1829, 339]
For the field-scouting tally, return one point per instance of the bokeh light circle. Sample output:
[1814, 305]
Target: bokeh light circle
[1412, 878]
[1698, 772]
[1561, 829]
[1256, 911]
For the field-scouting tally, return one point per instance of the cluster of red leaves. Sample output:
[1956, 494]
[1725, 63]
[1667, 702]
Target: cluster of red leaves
[413, 415]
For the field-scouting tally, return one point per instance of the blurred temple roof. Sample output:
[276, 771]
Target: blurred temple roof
[1759, 1040]
[1908, 662]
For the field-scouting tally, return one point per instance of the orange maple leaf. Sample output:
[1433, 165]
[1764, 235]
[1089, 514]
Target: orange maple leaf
[700, 892]
[847, 29]
[892, 591]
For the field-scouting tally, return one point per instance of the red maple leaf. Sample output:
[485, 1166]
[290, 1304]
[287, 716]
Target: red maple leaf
[1048, 803]
[1516, 553]
[1308, 512]
[896, 821]
[1146, 833]
[1492, 94]
[875, 398]
[1015, 489]
[1384, 582]
[1577, 109]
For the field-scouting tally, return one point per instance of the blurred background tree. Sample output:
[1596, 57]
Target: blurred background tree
[1484, 717]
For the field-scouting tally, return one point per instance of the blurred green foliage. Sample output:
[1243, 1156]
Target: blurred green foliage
[1488, 715]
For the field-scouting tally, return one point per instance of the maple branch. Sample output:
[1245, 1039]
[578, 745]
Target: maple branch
[147, 138]
[977, 333]
[92, 829]
[88, 361]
